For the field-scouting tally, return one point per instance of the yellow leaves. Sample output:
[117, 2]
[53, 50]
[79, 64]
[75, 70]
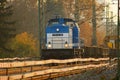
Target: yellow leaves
[86, 33]
[110, 44]
[26, 39]
[24, 45]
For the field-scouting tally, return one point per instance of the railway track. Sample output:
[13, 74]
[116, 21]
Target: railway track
[50, 69]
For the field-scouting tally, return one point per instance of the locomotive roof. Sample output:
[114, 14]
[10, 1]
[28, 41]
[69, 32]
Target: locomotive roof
[65, 19]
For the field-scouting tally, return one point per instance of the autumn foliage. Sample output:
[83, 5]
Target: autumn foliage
[24, 45]
[26, 39]
[86, 33]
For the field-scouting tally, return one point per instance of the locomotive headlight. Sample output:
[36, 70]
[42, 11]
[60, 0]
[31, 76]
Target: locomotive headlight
[49, 45]
[57, 29]
[66, 44]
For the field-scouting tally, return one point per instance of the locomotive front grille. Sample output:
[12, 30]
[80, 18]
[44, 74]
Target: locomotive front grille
[58, 43]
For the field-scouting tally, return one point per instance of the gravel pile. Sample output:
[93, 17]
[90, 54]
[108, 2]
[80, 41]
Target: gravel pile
[103, 73]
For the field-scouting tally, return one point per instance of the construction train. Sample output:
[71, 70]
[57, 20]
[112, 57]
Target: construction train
[62, 40]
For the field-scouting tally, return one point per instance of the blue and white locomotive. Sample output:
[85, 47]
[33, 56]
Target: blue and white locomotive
[62, 38]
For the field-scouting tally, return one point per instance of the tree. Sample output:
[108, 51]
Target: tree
[7, 29]
[54, 7]
[26, 15]
[81, 10]
[24, 45]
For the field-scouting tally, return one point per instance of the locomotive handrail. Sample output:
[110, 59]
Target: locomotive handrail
[30, 63]
[48, 71]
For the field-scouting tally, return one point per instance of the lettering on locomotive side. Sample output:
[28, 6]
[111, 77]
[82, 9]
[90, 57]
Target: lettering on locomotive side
[57, 34]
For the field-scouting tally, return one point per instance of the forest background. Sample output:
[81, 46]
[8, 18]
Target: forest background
[19, 32]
